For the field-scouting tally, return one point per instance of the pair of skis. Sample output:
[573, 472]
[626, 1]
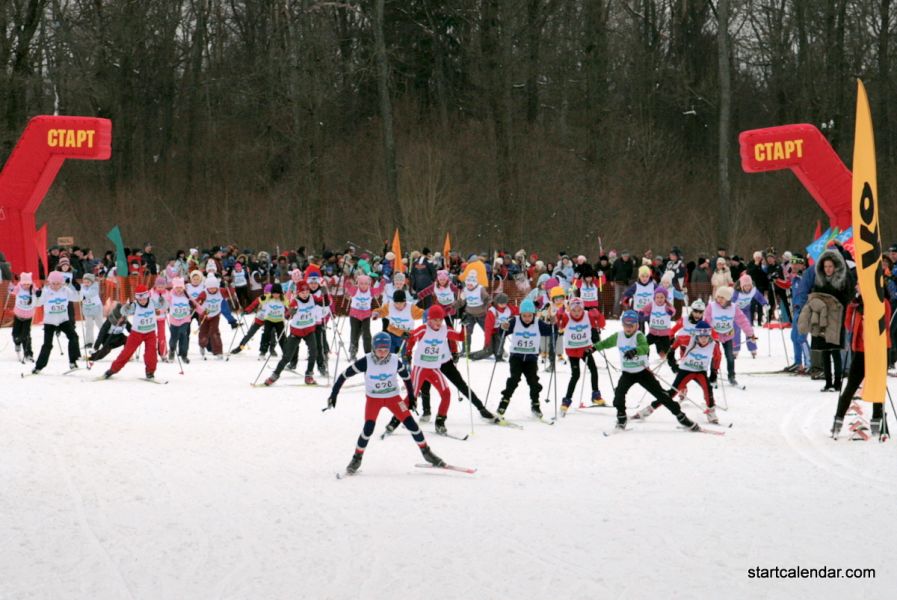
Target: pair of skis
[467, 470]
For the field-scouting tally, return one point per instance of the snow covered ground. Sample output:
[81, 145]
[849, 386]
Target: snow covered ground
[208, 488]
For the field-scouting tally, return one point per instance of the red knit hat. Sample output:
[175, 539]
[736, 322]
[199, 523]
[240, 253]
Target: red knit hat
[436, 312]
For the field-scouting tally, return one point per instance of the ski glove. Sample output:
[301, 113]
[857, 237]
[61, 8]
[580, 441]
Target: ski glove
[233, 325]
[630, 354]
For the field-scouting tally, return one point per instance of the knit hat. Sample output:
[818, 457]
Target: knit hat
[644, 270]
[542, 279]
[25, 278]
[211, 266]
[435, 312]
[527, 306]
[364, 280]
[557, 291]
[296, 275]
[698, 305]
[724, 292]
[302, 286]
[745, 279]
[195, 273]
[398, 276]
[390, 256]
[381, 340]
[55, 277]
[662, 291]
[629, 317]
[576, 302]
[160, 282]
[471, 277]
[212, 282]
[274, 289]
[398, 296]
[64, 260]
[442, 275]
[501, 298]
[141, 292]
[90, 277]
[702, 327]
[177, 282]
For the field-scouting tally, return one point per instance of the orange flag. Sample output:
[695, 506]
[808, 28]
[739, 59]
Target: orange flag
[447, 246]
[399, 266]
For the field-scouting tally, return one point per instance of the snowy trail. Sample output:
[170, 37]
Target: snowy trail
[208, 488]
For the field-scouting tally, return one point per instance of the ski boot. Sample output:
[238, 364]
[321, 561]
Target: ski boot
[431, 458]
[687, 423]
[150, 376]
[621, 422]
[273, 353]
[829, 388]
[484, 413]
[29, 357]
[237, 350]
[643, 414]
[202, 353]
[502, 407]
[836, 427]
[322, 371]
[565, 405]
[391, 426]
[310, 380]
[263, 355]
[875, 427]
[597, 400]
[536, 409]
[274, 377]
[711, 415]
[108, 374]
[425, 417]
[440, 425]
[354, 464]
[73, 365]
[184, 359]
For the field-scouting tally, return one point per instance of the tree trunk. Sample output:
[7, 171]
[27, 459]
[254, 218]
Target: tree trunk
[884, 83]
[534, 34]
[725, 118]
[389, 142]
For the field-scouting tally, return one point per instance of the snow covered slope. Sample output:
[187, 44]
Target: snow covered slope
[209, 488]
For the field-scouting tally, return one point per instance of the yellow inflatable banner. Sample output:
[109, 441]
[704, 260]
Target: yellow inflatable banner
[867, 252]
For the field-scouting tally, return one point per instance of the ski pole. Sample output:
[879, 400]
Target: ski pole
[469, 388]
[609, 374]
[495, 364]
[276, 342]
[552, 362]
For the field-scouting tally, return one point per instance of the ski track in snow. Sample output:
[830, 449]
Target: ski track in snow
[208, 488]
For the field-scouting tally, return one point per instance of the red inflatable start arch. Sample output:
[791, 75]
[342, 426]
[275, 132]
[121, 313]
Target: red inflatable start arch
[45, 144]
[803, 149]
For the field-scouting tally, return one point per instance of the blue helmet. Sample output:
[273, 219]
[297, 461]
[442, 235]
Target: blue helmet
[527, 306]
[629, 317]
[381, 340]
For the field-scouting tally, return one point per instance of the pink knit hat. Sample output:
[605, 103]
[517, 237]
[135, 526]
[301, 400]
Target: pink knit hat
[177, 282]
[55, 277]
[25, 278]
[364, 280]
[745, 279]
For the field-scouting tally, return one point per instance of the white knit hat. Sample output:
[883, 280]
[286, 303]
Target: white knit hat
[212, 282]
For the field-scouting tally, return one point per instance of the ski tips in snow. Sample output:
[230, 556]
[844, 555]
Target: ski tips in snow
[468, 470]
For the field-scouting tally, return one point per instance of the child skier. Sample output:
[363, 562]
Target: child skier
[211, 304]
[303, 311]
[701, 355]
[586, 288]
[23, 312]
[143, 332]
[382, 371]
[360, 310]
[633, 348]
[525, 332]
[723, 316]
[497, 315]
[473, 303]
[324, 301]
[444, 292]
[744, 299]
[55, 298]
[639, 294]
[91, 308]
[658, 314]
[180, 309]
[580, 329]
[258, 306]
[113, 334]
[401, 315]
[683, 331]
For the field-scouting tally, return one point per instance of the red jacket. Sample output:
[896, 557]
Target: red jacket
[853, 319]
[596, 320]
[491, 316]
[452, 336]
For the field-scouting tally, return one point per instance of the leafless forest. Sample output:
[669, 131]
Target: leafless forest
[509, 123]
